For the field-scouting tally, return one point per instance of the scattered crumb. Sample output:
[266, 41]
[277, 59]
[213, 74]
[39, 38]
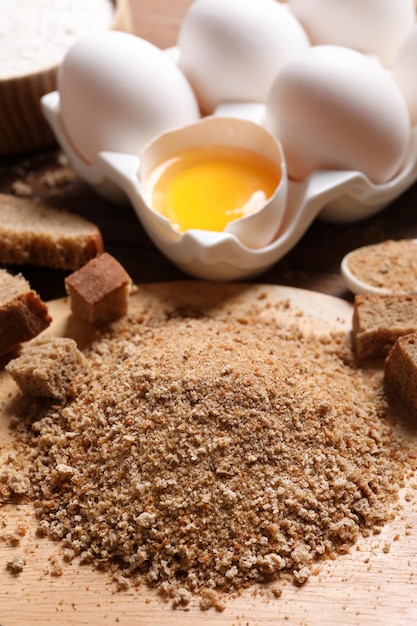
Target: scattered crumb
[276, 592]
[13, 482]
[16, 564]
[58, 178]
[20, 188]
[55, 568]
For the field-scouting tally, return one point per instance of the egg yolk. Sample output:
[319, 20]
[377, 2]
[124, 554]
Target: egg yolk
[207, 187]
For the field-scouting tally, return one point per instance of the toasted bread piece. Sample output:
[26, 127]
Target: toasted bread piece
[378, 321]
[35, 233]
[400, 370]
[47, 366]
[23, 314]
[98, 292]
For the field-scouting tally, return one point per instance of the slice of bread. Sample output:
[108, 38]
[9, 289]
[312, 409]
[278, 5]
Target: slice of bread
[378, 321]
[98, 292]
[35, 233]
[47, 366]
[23, 314]
[400, 370]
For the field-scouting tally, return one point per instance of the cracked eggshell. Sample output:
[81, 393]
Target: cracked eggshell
[335, 108]
[376, 27]
[231, 49]
[118, 91]
[254, 230]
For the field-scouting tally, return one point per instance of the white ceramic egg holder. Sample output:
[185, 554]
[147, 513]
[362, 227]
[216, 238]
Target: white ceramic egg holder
[336, 196]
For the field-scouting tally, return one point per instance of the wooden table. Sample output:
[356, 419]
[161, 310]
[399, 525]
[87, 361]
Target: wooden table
[312, 264]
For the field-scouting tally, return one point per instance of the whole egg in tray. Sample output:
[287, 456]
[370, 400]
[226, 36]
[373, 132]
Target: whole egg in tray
[263, 117]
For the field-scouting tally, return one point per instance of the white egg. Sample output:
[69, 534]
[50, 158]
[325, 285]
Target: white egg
[372, 26]
[405, 73]
[335, 108]
[118, 91]
[231, 49]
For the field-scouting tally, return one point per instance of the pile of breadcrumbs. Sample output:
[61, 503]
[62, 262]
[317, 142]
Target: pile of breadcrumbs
[205, 455]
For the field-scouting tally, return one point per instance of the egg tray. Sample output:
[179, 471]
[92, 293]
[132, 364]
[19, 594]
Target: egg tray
[335, 196]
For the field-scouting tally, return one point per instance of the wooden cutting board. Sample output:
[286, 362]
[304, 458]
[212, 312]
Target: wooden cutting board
[376, 584]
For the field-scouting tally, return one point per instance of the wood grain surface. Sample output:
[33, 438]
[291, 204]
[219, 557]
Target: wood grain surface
[375, 584]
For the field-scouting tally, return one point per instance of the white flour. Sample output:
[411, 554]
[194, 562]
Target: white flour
[35, 34]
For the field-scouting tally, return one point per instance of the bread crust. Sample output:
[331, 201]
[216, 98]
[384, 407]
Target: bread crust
[47, 366]
[378, 320]
[400, 370]
[99, 291]
[35, 233]
[23, 316]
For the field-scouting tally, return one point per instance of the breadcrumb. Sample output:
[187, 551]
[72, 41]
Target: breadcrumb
[16, 564]
[389, 265]
[202, 455]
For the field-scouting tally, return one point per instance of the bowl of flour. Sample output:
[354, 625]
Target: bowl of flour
[34, 36]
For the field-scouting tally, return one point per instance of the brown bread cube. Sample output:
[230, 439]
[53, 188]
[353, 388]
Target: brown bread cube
[98, 292]
[47, 366]
[378, 321]
[400, 372]
[23, 315]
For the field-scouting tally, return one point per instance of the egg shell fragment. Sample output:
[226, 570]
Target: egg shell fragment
[335, 108]
[376, 27]
[231, 50]
[118, 91]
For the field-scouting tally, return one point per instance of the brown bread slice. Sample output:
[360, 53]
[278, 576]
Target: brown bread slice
[35, 233]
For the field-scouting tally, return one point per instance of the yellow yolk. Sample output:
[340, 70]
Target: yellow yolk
[207, 187]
